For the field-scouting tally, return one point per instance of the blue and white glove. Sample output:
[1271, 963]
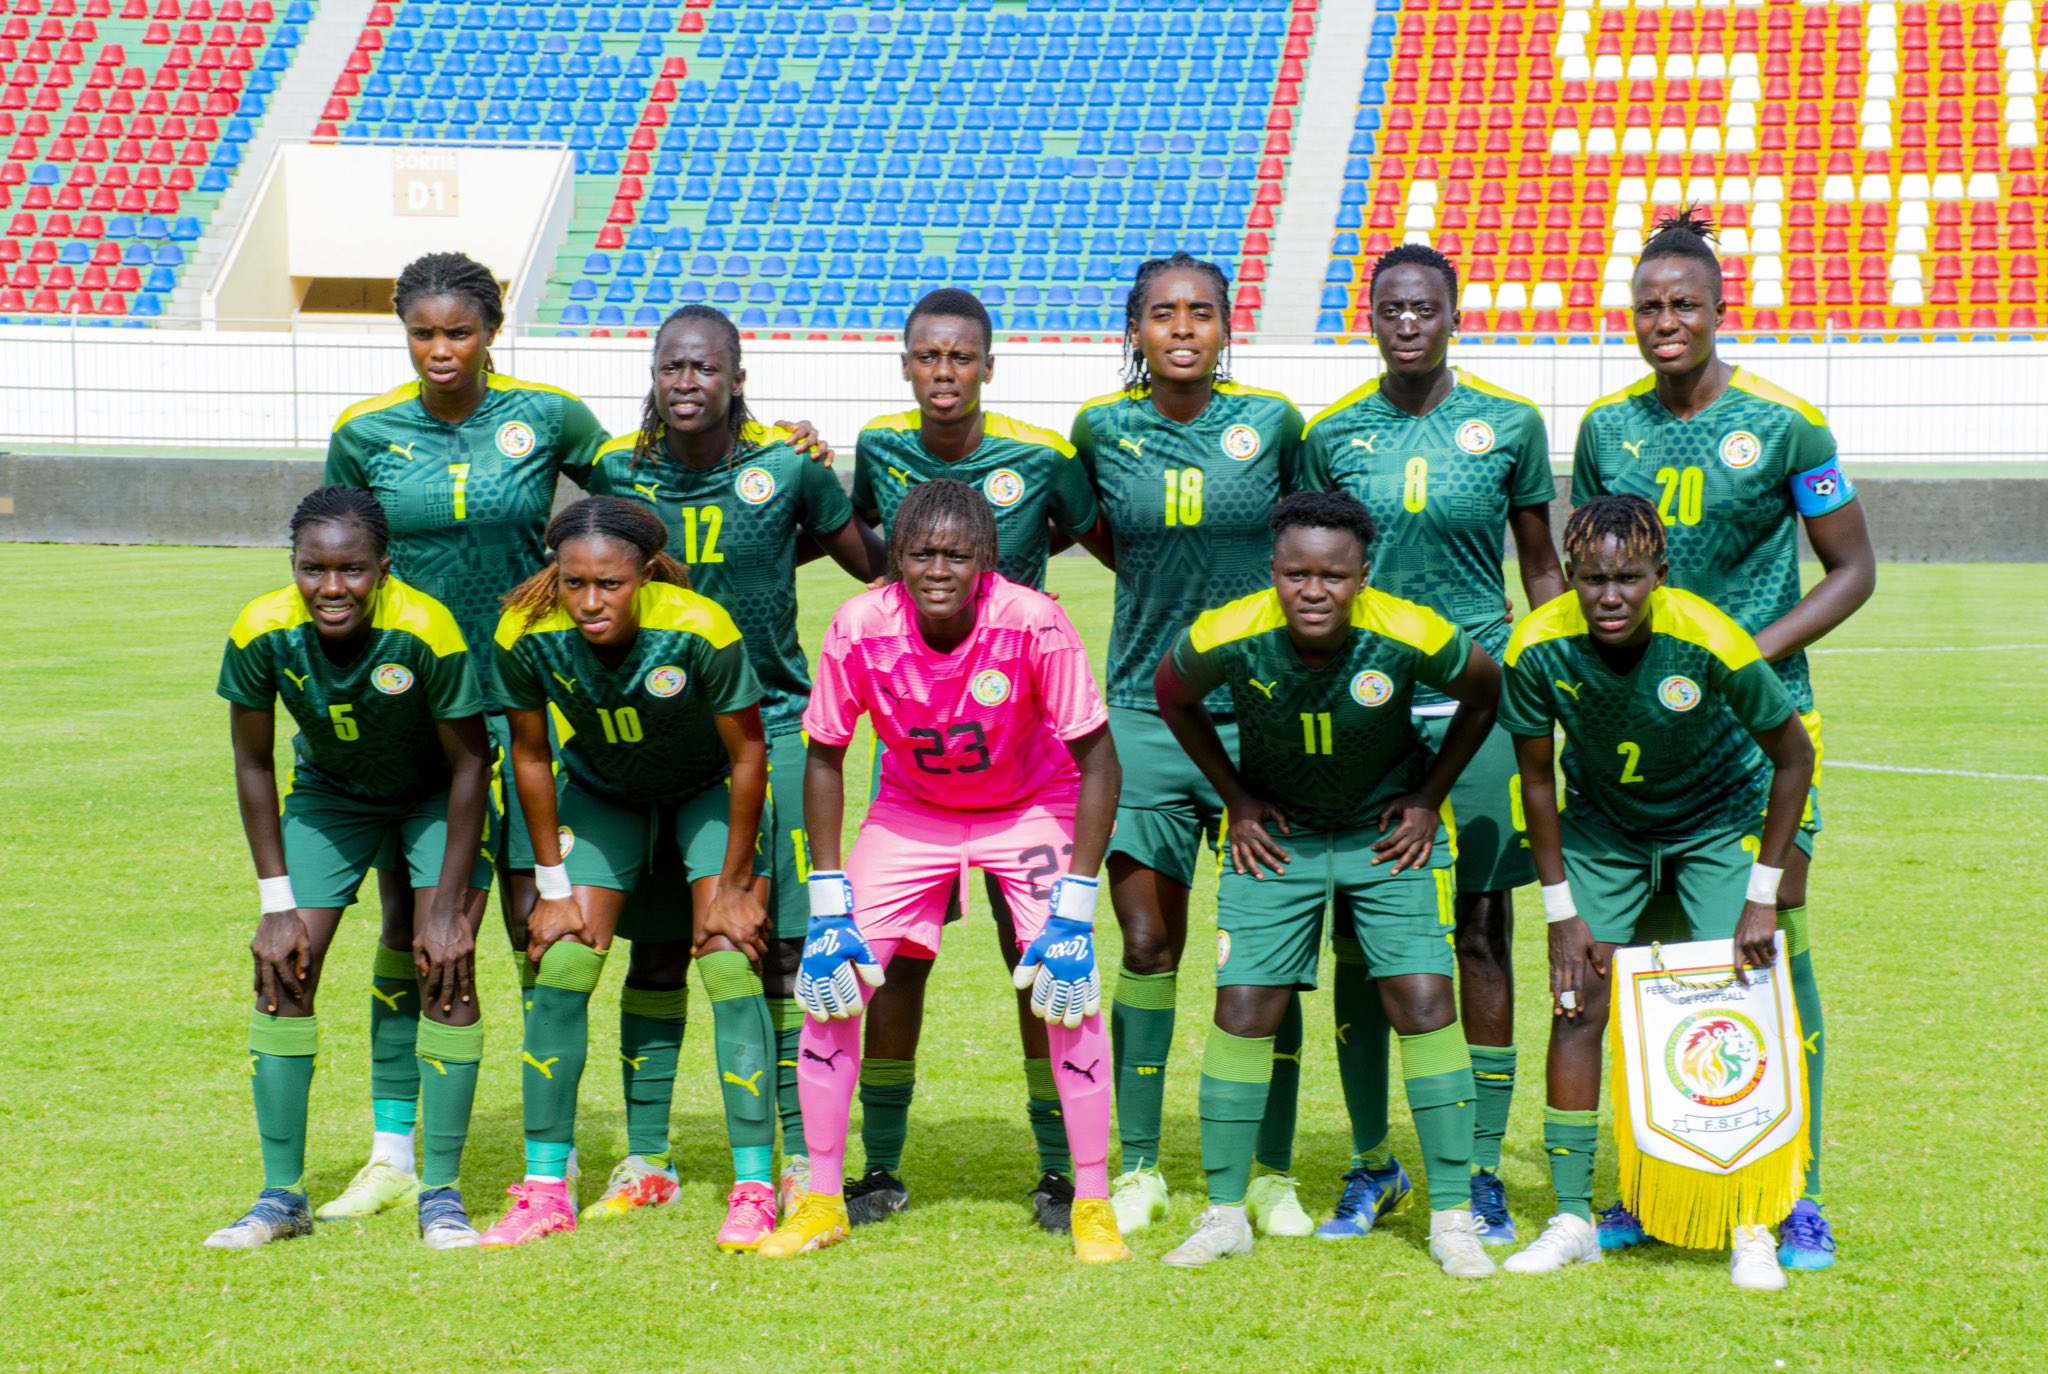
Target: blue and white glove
[1059, 966]
[834, 953]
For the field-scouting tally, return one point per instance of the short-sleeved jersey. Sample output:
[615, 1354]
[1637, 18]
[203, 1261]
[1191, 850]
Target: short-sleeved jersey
[1439, 487]
[735, 526]
[1730, 484]
[468, 503]
[366, 729]
[983, 728]
[1188, 504]
[1330, 745]
[643, 731]
[1026, 474]
[1665, 749]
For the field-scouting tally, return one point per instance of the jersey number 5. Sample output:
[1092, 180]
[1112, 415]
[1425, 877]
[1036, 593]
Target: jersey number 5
[927, 756]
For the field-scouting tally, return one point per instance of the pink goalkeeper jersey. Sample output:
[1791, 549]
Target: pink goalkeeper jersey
[983, 728]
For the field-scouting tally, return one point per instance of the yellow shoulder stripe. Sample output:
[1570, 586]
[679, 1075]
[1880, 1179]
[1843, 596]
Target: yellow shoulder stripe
[906, 420]
[400, 607]
[397, 396]
[1614, 398]
[665, 606]
[1500, 393]
[1560, 618]
[1696, 620]
[1256, 614]
[1132, 394]
[1387, 615]
[1745, 380]
[512, 624]
[279, 610]
[1003, 427]
[1240, 389]
[498, 381]
[1344, 402]
[758, 435]
[623, 444]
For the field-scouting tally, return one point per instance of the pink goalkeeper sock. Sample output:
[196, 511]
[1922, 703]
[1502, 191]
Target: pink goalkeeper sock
[1081, 1072]
[827, 1072]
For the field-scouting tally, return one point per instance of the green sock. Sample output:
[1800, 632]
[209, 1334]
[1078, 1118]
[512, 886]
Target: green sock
[787, 1014]
[1436, 1069]
[1813, 1026]
[1569, 1138]
[1048, 1127]
[529, 975]
[1140, 1037]
[1362, 1032]
[744, 1040]
[1236, 1071]
[1493, 1074]
[651, 1022]
[281, 1050]
[450, 1055]
[394, 1030]
[886, 1087]
[557, 1043]
[1276, 1131]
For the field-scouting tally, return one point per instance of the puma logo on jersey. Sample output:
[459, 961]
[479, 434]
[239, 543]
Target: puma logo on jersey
[825, 1059]
[405, 453]
[1087, 1073]
[389, 999]
[752, 1084]
[1572, 688]
[634, 1062]
[1366, 443]
[653, 494]
[900, 475]
[1136, 446]
[297, 680]
[1264, 687]
[545, 1067]
[568, 683]
[1635, 450]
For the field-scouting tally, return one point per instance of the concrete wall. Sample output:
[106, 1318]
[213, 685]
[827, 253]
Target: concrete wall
[248, 501]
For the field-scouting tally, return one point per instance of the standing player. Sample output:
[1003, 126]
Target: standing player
[735, 496]
[1684, 755]
[1188, 465]
[1033, 488]
[1335, 792]
[1734, 466]
[390, 750]
[663, 741]
[1445, 462]
[999, 757]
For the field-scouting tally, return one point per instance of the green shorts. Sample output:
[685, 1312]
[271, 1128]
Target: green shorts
[1486, 807]
[782, 829]
[1614, 874]
[332, 839]
[607, 843]
[1269, 933]
[1168, 812]
[659, 906]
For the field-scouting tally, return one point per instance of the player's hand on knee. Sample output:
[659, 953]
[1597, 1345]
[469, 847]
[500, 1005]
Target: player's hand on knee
[836, 959]
[1574, 967]
[1250, 843]
[553, 918]
[281, 948]
[735, 914]
[1059, 966]
[444, 956]
[1413, 836]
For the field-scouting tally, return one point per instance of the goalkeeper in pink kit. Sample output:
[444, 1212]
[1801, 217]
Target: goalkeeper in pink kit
[998, 758]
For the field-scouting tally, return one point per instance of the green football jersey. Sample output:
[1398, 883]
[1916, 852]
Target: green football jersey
[1665, 749]
[1188, 505]
[643, 731]
[1331, 745]
[1028, 475]
[1439, 487]
[1730, 483]
[736, 528]
[469, 502]
[366, 728]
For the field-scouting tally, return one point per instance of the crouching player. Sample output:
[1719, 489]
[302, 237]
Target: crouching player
[1684, 753]
[391, 749]
[998, 757]
[1336, 794]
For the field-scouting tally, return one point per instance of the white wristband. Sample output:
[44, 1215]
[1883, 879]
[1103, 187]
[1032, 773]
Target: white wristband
[275, 894]
[1557, 903]
[1074, 899]
[552, 880]
[1763, 884]
[830, 892]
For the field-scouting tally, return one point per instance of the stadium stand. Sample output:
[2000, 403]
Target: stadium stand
[122, 122]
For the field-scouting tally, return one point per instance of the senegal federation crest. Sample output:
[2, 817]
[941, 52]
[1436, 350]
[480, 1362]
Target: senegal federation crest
[1741, 449]
[1371, 688]
[392, 679]
[1241, 442]
[1004, 488]
[566, 838]
[990, 688]
[515, 438]
[1222, 948]
[754, 486]
[1679, 693]
[1475, 436]
[666, 680]
[1716, 1059]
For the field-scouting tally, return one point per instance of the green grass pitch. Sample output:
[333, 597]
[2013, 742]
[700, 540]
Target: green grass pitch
[127, 905]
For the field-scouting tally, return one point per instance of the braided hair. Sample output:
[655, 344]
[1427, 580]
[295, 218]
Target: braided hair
[451, 274]
[1324, 510]
[340, 505]
[608, 517]
[1137, 374]
[648, 443]
[930, 507]
[1629, 520]
[1686, 234]
[953, 303]
[1416, 255]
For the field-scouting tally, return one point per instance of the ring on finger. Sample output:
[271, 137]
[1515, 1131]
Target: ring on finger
[1568, 999]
